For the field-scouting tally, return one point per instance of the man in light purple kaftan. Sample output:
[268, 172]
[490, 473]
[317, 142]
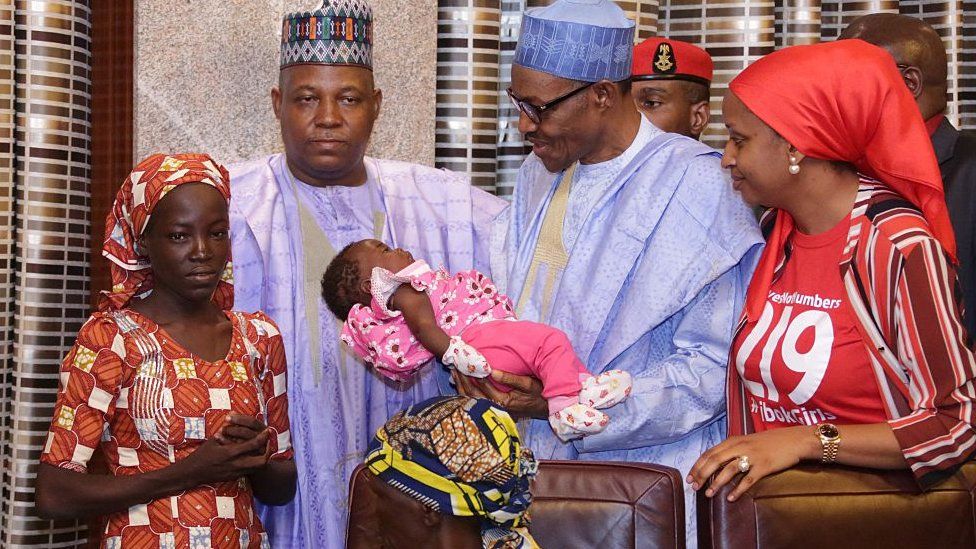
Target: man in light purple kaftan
[629, 239]
[290, 213]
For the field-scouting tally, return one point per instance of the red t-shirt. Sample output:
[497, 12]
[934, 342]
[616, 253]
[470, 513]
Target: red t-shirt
[804, 362]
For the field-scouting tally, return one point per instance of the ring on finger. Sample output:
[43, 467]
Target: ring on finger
[744, 464]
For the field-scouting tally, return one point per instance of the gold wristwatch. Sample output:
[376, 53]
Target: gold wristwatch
[830, 441]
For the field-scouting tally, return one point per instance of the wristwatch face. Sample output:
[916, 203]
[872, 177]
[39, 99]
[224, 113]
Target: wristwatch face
[828, 430]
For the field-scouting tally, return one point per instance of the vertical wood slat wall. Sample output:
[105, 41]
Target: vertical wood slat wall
[45, 175]
[113, 66]
[113, 44]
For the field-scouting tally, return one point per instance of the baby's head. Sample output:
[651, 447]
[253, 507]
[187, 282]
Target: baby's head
[346, 281]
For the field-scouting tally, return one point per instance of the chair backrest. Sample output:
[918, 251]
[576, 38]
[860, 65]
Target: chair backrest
[576, 504]
[607, 504]
[842, 507]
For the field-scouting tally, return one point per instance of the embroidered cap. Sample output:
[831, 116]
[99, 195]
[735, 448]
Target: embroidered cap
[338, 33]
[587, 40]
[660, 58]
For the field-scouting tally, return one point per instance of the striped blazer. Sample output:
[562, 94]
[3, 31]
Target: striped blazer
[903, 290]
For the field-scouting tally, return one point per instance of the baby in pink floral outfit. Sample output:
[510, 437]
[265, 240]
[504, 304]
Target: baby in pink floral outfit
[399, 314]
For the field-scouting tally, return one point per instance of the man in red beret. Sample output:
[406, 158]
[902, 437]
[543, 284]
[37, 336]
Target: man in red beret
[671, 82]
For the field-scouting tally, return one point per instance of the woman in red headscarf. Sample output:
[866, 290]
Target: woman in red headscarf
[850, 348]
[185, 397]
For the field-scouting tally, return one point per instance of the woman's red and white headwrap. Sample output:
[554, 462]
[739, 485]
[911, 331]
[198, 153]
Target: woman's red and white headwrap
[141, 192]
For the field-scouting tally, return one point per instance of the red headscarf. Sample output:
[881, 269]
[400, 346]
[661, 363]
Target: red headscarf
[845, 101]
[140, 194]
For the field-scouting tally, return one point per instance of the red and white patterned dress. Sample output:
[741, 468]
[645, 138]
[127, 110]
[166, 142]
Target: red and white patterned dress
[127, 386]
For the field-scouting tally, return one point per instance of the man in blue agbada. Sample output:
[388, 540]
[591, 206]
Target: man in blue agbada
[292, 212]
[629, 239]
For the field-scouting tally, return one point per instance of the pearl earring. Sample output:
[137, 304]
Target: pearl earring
[794, 165]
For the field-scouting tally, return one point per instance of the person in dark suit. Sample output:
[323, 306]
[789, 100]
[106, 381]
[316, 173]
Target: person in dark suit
[921, 58]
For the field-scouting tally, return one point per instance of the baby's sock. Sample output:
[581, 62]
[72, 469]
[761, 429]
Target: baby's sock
[606, 390]
[576, 421]
[560, 402]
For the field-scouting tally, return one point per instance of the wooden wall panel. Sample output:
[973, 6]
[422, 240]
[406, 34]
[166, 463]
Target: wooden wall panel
[112, 126]
[113, 37]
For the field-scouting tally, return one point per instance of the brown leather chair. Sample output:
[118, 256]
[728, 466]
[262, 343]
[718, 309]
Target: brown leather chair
[842, 507]
[576, 504]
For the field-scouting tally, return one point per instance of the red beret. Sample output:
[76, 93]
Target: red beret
[663, 58]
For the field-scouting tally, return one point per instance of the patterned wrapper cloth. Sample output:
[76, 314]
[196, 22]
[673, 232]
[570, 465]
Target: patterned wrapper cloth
[139, 195]
[460, 456]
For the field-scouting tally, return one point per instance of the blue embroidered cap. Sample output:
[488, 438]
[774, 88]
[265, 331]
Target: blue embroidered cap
[338, 33]
[587, 40]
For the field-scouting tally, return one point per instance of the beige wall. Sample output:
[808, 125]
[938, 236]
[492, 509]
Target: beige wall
[205, 68]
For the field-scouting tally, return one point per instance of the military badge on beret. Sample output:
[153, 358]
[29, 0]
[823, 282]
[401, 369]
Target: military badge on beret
[664, 59]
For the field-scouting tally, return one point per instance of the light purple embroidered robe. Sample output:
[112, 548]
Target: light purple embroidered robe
[334, 412]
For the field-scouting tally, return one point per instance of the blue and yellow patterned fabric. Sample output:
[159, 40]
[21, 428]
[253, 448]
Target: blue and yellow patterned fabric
[460, 456]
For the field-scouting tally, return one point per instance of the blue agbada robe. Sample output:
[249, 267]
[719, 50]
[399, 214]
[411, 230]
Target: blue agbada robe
[656, 277]
[336, 404]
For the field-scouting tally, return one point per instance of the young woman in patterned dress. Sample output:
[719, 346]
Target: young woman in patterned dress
[185, 397]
